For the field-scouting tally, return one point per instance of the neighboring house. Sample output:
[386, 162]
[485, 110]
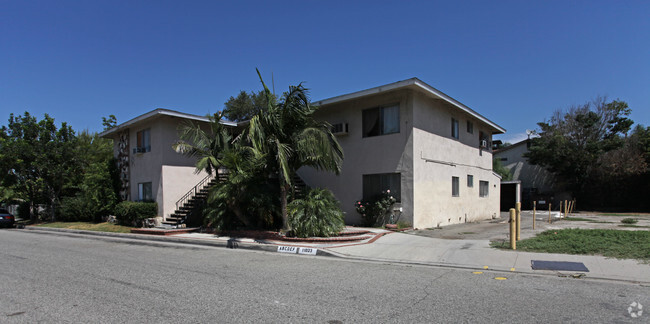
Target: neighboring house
[431, 151]
[537, 184]
[150, 169]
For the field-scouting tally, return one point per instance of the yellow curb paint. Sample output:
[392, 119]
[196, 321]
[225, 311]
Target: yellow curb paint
[500, 278]
[512, 269]
[477, 272]
[485, 267]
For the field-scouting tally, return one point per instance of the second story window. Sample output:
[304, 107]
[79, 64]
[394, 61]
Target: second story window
[454, 128]
[381, 121]
[470, 127]
[144, 141]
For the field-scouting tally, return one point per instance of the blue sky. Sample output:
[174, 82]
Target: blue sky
[514, 62]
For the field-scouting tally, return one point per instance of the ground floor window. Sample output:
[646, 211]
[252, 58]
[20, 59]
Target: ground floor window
[484, 188]
[144, 191]
[454, 187]
[375, 184]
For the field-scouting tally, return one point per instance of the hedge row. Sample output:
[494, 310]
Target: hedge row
[131, 213]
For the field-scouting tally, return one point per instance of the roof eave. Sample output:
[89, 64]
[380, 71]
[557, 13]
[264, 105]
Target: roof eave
[162, 112]
[419, 84]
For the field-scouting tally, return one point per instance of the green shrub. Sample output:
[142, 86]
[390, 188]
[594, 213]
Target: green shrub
[132, 213]
[376, 211]
[629, 221]
[74, 209]
[318, 214]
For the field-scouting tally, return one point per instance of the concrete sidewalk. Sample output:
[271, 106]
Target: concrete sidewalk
[477, 254]
[410, 249]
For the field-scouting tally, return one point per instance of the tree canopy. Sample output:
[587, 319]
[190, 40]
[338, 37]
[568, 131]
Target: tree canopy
[592, 151]
[42, 163]
[246, 105]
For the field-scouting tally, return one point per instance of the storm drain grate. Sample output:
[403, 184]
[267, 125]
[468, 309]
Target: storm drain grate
[558, 265]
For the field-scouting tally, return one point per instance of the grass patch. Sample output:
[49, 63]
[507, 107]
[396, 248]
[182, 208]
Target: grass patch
[629, 221]
[600, 222]
[632, 225]
[616, 214]
[467, 233]
[578, 219]
[98, 227]
[611, 243]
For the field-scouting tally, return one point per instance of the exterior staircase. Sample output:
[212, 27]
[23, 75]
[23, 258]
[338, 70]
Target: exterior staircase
[190, 207]
[300, 188]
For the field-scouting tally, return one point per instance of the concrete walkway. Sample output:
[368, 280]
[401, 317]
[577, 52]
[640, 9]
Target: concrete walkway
[477, 254]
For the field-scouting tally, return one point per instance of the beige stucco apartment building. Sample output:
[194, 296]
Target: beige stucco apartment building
[431, 151]
[150, 169]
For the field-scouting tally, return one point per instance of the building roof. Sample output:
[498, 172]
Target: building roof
[417, 84]
[509, 147]
[156, 113]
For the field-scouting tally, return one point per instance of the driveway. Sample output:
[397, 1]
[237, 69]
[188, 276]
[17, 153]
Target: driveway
[499, 228]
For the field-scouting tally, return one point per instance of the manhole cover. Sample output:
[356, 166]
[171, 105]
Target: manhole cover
[558, 265]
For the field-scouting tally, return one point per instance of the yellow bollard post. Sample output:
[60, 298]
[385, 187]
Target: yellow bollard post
[534, 208]
[565, 208]
[513, 230]
[518, 211]
[549, 212]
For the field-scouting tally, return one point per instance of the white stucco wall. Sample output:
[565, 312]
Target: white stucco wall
[438, 157]
[176, 181]
[437, 160]
[171, 174]
[425, 134]
[371, 155]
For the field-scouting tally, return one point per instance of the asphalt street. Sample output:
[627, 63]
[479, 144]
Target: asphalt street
[52, 278]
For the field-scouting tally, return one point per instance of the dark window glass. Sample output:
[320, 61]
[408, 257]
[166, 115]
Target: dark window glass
[455, 191]
[143, 141]
[375, 184]
[470, 180]
[380, 121]
[454, 128]
[144, 191]
[484, 188]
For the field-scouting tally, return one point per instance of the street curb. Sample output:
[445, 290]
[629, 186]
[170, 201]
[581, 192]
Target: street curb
[478, 268]
[271, 247]
[230, 244]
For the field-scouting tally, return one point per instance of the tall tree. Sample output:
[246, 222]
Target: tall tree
[289, 136]
[246, 105]
[97, 190]
[38, 160]
[572, 143]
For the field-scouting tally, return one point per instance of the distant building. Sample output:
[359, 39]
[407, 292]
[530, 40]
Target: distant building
[537, 183]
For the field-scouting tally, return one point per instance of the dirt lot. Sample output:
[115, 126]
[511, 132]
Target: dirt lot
[499, 228]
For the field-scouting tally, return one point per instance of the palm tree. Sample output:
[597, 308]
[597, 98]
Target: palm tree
[245, 195]
[207, 147]
[288, 135]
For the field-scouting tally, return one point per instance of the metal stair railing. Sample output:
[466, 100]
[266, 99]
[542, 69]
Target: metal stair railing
[192, 192]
